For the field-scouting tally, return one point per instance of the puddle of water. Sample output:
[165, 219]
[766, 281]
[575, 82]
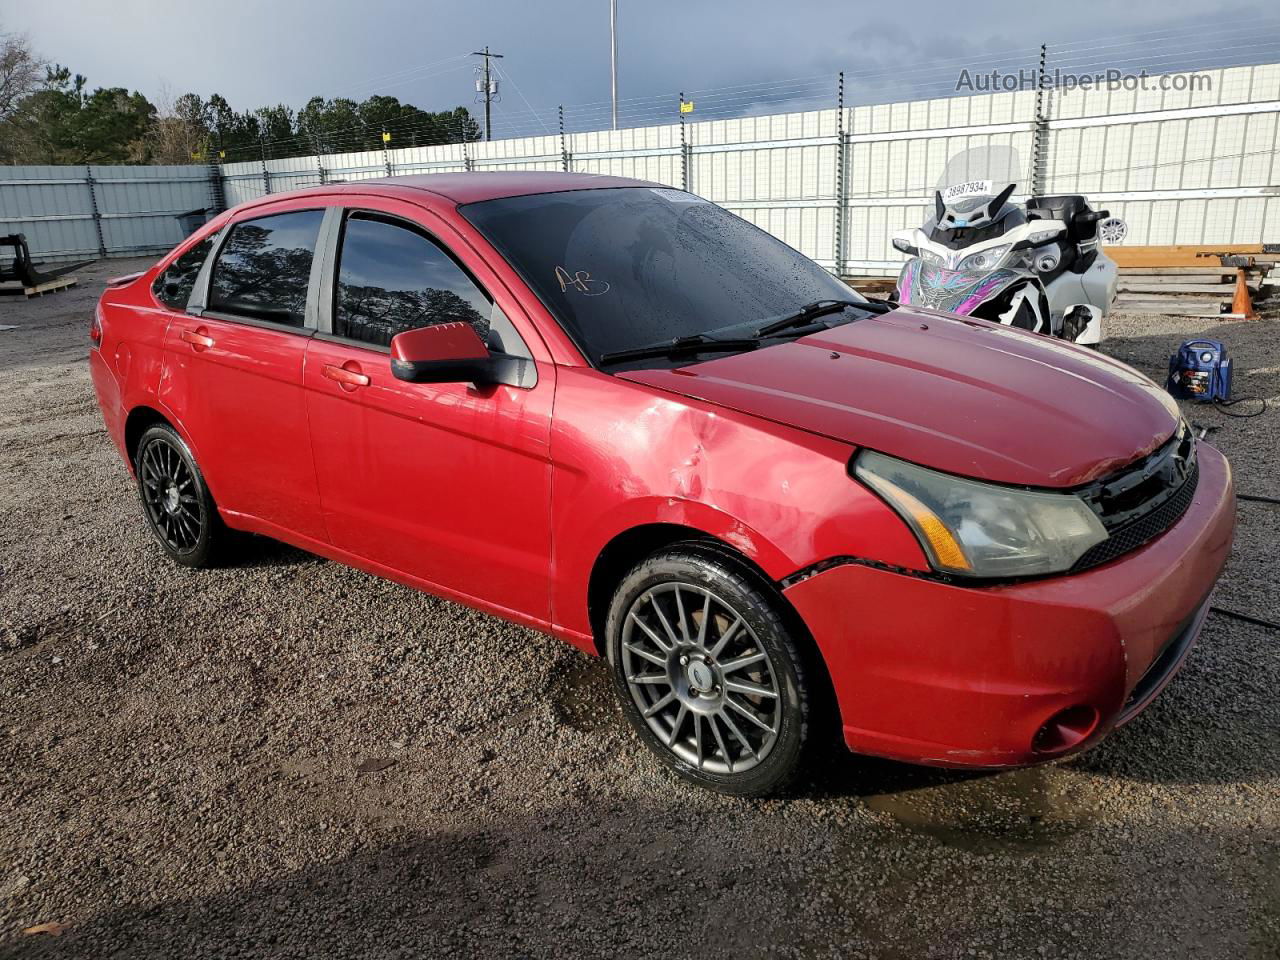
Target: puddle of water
[1022, 809]
[582, 694]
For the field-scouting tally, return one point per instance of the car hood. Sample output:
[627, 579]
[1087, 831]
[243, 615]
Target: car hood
[956, 394]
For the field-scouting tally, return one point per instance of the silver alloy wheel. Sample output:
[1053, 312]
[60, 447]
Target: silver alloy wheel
[700, 678]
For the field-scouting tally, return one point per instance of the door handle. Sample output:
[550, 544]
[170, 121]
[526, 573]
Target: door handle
[347, 378]
[196, 339]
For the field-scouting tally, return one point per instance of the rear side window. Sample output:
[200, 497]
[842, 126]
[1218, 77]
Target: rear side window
[174, 285]
[392, 278]
[263, 269]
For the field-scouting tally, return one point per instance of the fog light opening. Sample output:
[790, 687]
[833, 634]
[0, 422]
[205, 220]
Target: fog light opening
[1065, 729]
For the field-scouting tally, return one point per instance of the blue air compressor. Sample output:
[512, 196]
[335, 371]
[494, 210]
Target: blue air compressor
[1200, 371]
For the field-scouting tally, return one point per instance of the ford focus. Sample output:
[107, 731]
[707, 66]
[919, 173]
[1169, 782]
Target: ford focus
[619, 414]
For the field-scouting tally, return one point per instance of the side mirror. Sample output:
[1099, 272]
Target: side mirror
[443, 353]
[902, 243]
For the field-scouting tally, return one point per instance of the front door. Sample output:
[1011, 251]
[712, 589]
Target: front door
[447, 483]
[234, 374]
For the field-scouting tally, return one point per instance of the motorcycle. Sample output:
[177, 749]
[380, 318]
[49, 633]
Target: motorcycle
[1037, 265]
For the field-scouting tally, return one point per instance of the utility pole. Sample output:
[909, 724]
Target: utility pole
[613, 57]
[486, 85]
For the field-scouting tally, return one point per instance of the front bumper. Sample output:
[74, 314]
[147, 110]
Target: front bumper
[969, 676]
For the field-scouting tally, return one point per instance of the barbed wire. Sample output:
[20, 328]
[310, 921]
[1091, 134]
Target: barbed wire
[1170, 50]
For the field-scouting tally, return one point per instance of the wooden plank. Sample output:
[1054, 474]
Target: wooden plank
[1184, 255]
[1170, 309]
[1172, 299]
[1212, 278]
[1129, 286]
[873, 283]
[1199, 271]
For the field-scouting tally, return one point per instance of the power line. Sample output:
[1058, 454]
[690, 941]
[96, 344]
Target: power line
[506, 75]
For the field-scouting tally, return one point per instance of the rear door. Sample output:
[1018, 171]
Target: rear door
[446, 482]
[234, 370]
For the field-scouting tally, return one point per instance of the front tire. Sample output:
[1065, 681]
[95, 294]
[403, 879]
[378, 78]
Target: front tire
[175, 499]
[708, 671]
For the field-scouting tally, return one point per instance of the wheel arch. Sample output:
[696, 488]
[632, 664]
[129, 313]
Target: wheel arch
[138, 421]
[141, 417]
[630, 547]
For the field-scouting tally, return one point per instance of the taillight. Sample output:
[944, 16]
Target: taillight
[95, 327]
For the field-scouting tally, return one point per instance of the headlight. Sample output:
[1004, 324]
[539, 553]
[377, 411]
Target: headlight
[931, 258]
[975, 529]
[986, 259]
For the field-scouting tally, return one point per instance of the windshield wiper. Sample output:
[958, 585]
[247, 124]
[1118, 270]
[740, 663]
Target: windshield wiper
[680, 347]
[821, 308]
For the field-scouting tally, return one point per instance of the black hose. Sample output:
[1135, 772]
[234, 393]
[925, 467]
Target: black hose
[1256, 621]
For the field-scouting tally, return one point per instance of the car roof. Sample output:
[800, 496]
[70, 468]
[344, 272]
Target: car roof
[472, 187]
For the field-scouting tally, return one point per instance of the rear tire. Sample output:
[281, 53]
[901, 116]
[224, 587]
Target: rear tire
[709, 672]
[176, 500]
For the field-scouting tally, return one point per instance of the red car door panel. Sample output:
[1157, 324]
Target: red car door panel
[448, 483]
[238, 389]
[234, 371]
[445, 482]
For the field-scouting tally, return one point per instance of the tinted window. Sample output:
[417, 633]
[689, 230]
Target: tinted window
[173, 287]
[264, 267]
[631, 266]
[392, 278]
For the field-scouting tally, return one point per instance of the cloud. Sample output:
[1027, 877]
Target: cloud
[556, 51]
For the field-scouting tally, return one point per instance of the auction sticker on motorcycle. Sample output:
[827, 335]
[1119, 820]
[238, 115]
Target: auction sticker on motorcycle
[971, 188]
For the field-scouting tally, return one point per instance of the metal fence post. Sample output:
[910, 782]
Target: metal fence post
[266, 174]
[684, 148]
[93, 206]
[564, 150]
[217, 195]
[386, 154]
[1040, 139]
[842, 182]
[315, 142]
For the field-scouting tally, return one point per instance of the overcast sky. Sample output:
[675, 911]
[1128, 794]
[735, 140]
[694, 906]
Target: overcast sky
[556, 51]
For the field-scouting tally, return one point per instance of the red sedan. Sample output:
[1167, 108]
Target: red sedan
[620, 414]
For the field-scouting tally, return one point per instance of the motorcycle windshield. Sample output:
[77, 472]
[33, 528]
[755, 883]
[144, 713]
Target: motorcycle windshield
[994, 166]
[969, 182]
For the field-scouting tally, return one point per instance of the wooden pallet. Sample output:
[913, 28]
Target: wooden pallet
[40, 289]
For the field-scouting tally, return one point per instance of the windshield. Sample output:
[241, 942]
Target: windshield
[996, 165]
[970, 182]
[627, 267]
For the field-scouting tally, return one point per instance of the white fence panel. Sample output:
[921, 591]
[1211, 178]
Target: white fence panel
[1181, 164]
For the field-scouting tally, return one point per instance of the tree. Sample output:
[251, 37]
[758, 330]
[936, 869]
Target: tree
[20, 72]
[60, 122]
[230, 132]
[49, 115]
[178, 133]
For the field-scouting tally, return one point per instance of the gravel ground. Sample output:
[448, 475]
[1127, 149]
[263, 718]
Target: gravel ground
[290, 758]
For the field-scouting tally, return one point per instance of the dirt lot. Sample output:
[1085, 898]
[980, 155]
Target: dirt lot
[181, 757]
